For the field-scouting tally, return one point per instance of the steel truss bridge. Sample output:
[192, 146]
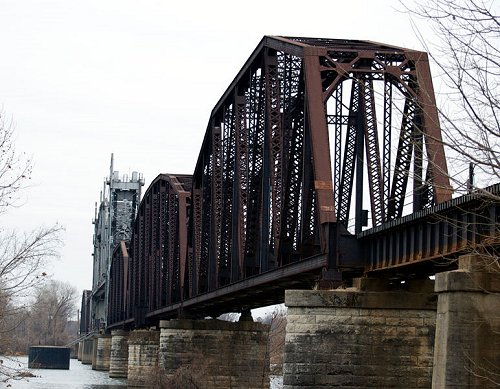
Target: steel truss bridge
[312, 141]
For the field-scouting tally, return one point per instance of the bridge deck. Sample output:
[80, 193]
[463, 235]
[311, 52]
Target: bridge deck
[430, 239]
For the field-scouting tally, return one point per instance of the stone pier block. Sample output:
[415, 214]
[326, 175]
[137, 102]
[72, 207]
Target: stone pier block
[80, 349]
[359, 338]
[216, 354]
[143, 348]
[73, 354]
[467, 348]
[118, 367]
[94, 352]
[103, 353]
[87, 351]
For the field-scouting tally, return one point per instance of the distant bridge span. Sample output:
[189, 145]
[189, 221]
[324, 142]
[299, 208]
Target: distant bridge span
[312, 141]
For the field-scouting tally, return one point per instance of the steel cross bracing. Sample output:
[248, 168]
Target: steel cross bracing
[405, 247]
[296, 152]
[118, 284]
[153, 275]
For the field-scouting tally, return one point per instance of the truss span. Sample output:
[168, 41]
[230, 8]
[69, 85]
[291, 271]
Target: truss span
[311, 140]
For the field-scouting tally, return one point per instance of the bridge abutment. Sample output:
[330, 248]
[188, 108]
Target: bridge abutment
[468, 325]
[219, 353]
[360, 337]
[103, 352]
[143, 348]
[118, 364]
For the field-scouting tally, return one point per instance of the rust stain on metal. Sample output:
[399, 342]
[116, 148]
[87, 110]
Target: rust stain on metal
[263, 197]
[323, 185]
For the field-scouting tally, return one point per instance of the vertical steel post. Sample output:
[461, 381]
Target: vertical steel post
[318, 126]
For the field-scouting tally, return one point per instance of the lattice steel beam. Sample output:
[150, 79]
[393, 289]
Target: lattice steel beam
[372, 152]
[275, 134]
[350, 153]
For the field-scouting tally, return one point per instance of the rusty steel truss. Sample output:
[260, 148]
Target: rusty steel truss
[149, 274]
[313, 139]
[294, 141]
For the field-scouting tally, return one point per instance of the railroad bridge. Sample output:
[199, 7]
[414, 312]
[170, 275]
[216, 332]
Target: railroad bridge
[321, 182]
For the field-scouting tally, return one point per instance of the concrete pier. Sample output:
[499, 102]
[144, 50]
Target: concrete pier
[94, 352]
[103, 352]
[80, 349]
[118, 367]
[73, 353]
[143, 348]
[87, 351]
[361, 337]
[215, 354]
[468, 325]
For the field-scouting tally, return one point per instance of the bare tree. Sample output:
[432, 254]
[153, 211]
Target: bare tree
[277, 334]
[465, 48]
[14, 338]
[15, 168]
[53, 305]
[22, 259]
[23, 256]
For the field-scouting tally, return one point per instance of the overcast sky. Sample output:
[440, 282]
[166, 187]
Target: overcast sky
[83, 79]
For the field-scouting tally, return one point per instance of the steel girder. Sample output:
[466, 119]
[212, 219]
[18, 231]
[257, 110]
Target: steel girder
[436, 236]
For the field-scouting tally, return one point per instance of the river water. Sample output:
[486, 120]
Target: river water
[78, 376]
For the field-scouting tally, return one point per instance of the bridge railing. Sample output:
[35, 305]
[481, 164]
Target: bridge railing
[437, 235]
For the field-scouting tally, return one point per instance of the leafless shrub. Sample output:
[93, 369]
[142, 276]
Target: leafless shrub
[189, 376]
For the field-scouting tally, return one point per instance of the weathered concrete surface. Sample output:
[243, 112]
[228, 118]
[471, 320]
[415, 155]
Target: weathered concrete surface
[94, 351]
[103, 352]
[87, 351]
[80, 349]
[467, 349]
[73, 353]
[143, 348]
[359, 338]
[118, 365]
[223, 354]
